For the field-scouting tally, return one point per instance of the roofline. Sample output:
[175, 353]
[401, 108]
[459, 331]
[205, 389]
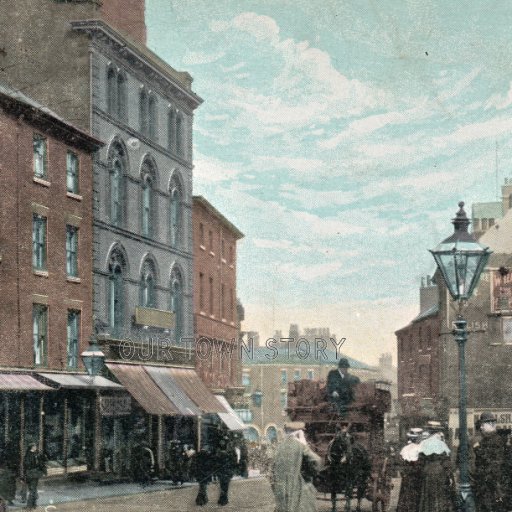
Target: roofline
[40, 116]
[143, 53]
[206, 204]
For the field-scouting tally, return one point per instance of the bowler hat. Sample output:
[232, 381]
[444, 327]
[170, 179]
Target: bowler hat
[487, 416]
[343, 363]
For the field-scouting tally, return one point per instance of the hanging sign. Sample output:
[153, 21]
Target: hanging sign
[115, 405]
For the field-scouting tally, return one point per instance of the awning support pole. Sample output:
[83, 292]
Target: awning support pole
[97, 432]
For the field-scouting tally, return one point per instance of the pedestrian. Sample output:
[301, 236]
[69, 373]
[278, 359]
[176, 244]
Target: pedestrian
[489, 466]
[202, 466]
[408, 499]
[35, 468]
[225, 464]
[437, 492]
[340, 386]
[291, 491]
[143, 463]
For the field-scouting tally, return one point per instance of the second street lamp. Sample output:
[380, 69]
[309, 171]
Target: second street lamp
[461, 259]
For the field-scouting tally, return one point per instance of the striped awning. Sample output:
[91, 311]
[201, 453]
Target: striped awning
[21, 382]
[143, 389]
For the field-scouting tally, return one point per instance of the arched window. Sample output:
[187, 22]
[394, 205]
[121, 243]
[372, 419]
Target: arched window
[121, 97]
[117, 159]
[180, 143]
[272, 434]
[175, 211]
[171, 130]
[176, 305]
[143, 111]
[148, 179]
[147, 285]
[251, 434]
[152, 117]
[116, 269]
[111, 91]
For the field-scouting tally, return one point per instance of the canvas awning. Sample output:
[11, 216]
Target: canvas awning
[230, 417]
[189, 381]
[143, 389]
[21, 382]
[162, 376]
[81, 381]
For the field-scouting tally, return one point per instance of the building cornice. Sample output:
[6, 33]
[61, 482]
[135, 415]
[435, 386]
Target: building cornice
[223, 220]
[153, 67]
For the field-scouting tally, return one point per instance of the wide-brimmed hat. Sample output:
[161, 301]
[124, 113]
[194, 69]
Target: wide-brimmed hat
[343, 363]
[414, 433]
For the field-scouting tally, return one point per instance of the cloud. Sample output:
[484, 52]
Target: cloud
[300, 165]
[312, 272]
[313, 199]
[281, 245]
[324, 227]
[235, 67]
[212, 170]
[498, 101]
[193, 58]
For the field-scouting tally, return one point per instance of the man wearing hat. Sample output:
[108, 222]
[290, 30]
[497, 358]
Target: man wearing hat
[340, 386]
[489, 466]
[291, 491]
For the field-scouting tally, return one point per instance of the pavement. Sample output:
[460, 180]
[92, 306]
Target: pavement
[245, 494]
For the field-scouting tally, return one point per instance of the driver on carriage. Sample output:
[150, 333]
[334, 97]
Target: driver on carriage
[340, 386]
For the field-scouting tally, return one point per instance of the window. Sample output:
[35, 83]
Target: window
[201, 291]
[491, 222]
[245, 415]
[231, 261]
[175, 212]
[147, 285]
[179, 135]
[111, 91]
[284, 400]
[40, 333]
[284, 377]
[143, 111]
[210, 302]
[177, 301]
[72, 170]
[121, 97]
[222, 302]
[73, 335]
[116, 292]
[152, 117]
[72, 251]
[484, 224]
[296, 375]
[147, 200]
[38, 242]
[210, 240]
[223, 249]
[118, 165]
[231, 305]
[311, 374]
[201, 234]
[171, 130]
[40, 156]
[246, 379]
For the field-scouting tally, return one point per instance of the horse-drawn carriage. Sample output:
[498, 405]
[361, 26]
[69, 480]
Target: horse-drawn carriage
[351, 445]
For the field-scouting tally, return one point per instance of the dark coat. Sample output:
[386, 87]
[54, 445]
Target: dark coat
[437, 488]
[344, 387]
[35, 465]
[409, 497]
[489, 472]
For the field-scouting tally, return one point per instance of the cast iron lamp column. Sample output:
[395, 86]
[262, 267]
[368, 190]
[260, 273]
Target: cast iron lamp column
[461, 260]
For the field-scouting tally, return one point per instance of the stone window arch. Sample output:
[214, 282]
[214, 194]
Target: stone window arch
[148, 177]
[122, 100]
[118, 164]
[152, 116]
[117, 270]
[112, 90]
[175, 211]
[148, 282]
[171, 129]
[176, 300]
[180, 134]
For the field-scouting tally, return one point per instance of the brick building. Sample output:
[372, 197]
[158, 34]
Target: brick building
[217, 326]
[488, 356]
[46, 278]
[87, 61]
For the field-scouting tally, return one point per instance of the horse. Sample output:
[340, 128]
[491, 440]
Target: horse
[348, 468]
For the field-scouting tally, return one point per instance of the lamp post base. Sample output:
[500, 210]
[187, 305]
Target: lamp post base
[466, 498]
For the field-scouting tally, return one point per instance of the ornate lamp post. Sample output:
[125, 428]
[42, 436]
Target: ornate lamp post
[461, 259]
[93, 358]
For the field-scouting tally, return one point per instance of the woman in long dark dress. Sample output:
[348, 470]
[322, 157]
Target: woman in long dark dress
[35, 468]
[437, 484]
[408, 498]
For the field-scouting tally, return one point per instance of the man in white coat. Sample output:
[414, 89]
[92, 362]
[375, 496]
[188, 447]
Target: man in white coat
[292, 492]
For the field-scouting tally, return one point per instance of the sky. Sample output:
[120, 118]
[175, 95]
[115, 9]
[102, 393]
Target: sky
[339, 136]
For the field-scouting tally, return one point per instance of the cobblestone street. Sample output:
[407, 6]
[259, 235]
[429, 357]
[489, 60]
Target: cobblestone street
[252, 494]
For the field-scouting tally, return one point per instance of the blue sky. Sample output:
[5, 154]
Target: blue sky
[339, 137]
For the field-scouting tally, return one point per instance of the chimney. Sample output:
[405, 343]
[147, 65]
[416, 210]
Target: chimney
[127, 16]
[428, 294]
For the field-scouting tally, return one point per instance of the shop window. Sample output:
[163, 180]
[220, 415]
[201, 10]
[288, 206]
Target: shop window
[72, 251]
[40, 333]
[73, 338]
[40, 156]
[38, 242]
[72, 172]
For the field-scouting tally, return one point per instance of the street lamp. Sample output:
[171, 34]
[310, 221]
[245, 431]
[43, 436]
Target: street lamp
[93, 358]
[461, 259]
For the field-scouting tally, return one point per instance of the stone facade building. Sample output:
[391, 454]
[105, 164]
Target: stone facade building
[217, 326]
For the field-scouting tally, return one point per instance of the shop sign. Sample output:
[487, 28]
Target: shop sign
[115, 405]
